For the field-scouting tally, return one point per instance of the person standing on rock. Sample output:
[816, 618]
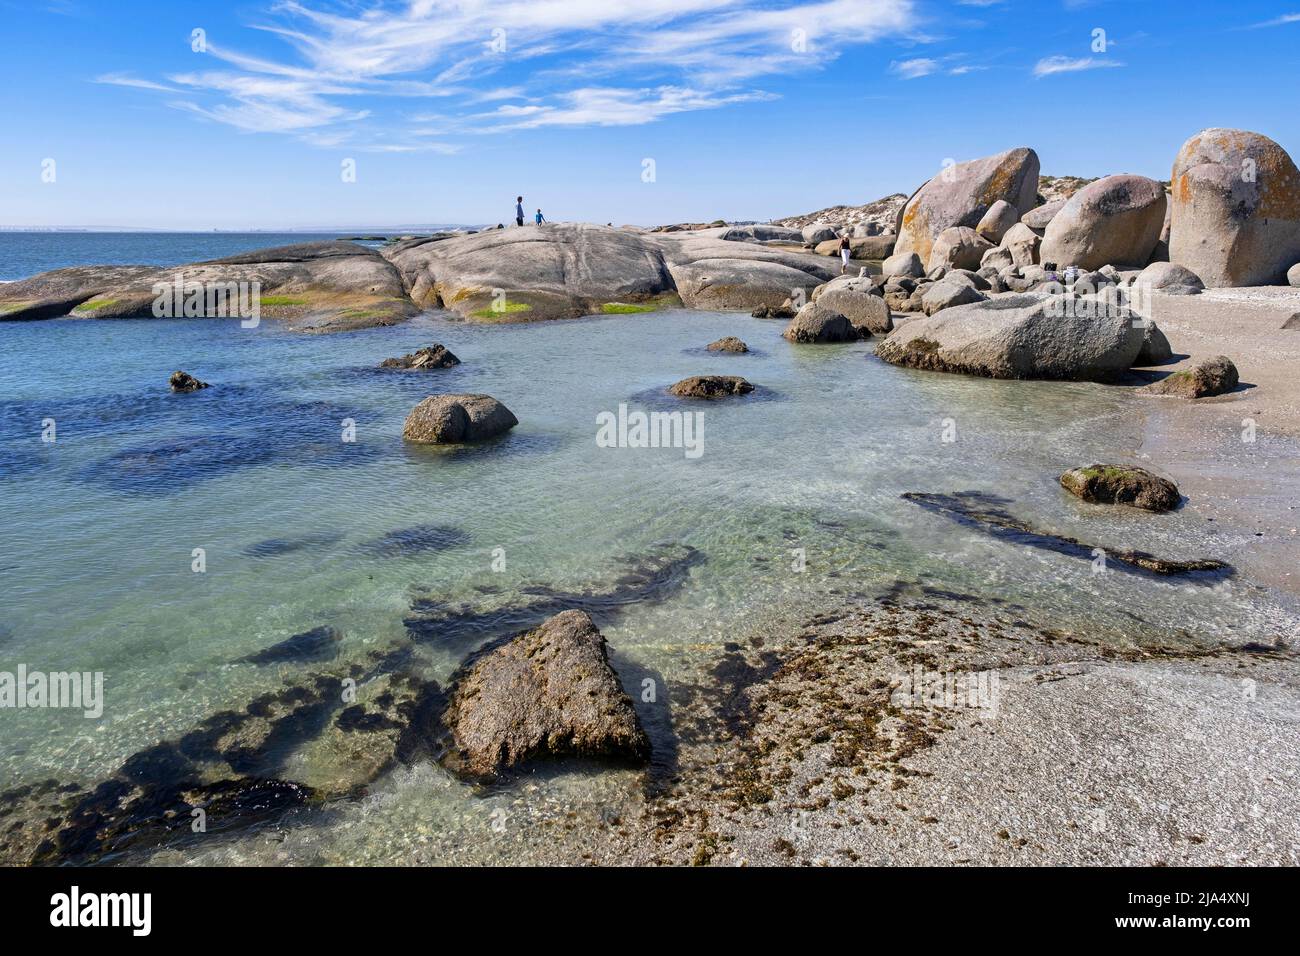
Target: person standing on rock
[846, 252]
[539, 218]
[519, 211]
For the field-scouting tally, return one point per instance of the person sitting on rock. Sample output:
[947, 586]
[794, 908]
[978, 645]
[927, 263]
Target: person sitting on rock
[519, 211]
[846, 252]
[539, 218]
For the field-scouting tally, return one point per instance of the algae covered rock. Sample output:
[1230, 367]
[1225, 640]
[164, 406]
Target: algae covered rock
[1122, 484]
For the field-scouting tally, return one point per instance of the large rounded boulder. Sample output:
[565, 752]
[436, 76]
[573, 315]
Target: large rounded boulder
[453, 419]
[816, 324]
[962, 194]
[1000, 217]
[960, 247]
[1113, 220]
[819, 232]
[856, 298]
[1031, 335]
[1023, 245]
[1236, 209]
[1040, 217]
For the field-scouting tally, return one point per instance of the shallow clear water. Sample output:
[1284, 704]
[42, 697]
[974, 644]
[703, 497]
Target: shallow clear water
[97, 530]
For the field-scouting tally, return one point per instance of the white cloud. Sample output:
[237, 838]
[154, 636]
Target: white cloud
[571, 62]
[1276, 21]
[125, 79]
[607, 106]
[914, 69]
[1064, 64]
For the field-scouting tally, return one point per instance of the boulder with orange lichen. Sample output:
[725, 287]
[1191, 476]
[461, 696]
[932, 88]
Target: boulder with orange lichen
[1235, 219]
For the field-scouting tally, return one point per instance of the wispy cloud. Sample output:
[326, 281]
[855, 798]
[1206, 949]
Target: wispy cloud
[918, 67]
[915, 68]
[1276, 21]
[126, 79]
[1063, 64]
[568, 62]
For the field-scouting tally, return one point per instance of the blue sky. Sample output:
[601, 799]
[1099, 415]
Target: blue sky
[749, 109]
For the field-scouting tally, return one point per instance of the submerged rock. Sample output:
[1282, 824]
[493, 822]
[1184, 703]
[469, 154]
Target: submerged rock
[1122, 484]
[549, 692]
[782, 311]
[318, 644]
[711, 386]
[453, 419]
[436, 356]
[418, 539]
[185, 382]
[987, 513]
[1211, 377]
[728, 344]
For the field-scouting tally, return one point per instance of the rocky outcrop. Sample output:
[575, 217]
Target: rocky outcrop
[710, 386]
[185, 382]
[1211, 377]
[1236, 209]
[728, 344]
[859, 299]
[871, 219]
[1122, 484]
[962, 194]
[1114, 220]
[760, 232]
[313, 285]
[437, 356]
[570, 270]
[496, 275]
[549, 692]
[816, 324]
[453, 419]
[1033, 335]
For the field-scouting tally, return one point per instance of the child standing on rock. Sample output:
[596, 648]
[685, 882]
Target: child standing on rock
[539, 218]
